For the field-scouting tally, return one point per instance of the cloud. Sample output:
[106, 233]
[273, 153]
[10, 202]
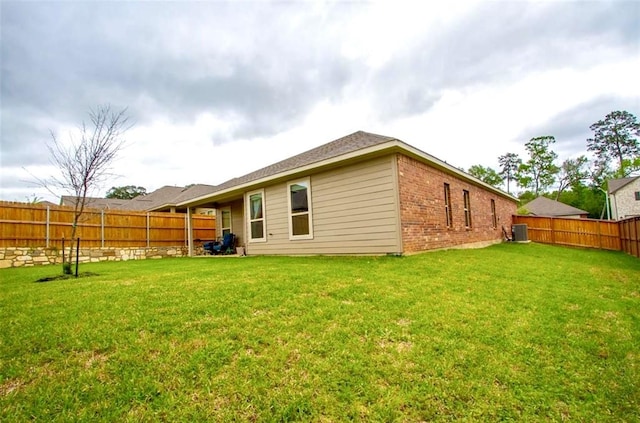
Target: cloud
[465, 80]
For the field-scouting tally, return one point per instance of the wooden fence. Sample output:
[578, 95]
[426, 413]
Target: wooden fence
[33, 225]
[603, 234]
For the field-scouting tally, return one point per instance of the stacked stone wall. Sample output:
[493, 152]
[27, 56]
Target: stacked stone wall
[36, 256]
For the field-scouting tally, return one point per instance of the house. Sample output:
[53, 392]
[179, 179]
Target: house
[161, 200]
[360, 194]
[624, 196]
[543, 206]
[96, 202]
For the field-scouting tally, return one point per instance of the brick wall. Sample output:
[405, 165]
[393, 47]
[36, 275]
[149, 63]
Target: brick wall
[422, 209]
[624, 203]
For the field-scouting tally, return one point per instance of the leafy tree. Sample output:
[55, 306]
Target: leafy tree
[126, 192]
[525, 197]
[486, 174]
[614, 139]
[572, 174]
[83, 162]
[589, 199]
[598, 175]
[538, 173]
[509, 164]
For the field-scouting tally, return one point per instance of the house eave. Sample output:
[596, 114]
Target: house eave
[390, 147]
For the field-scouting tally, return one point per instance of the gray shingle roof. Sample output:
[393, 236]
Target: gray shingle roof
[160, 197]
[194, 191]
[615, 184]
[97, 203]
[543, 206]
[354, 142]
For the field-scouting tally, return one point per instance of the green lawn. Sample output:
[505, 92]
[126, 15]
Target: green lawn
[510, 332]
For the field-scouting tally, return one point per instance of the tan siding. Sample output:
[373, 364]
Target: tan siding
[354, 212]
[237, 221]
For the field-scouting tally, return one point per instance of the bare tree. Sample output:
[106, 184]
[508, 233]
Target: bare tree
[84, 163]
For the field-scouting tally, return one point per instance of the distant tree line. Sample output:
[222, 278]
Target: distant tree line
[127, 192]
[579, 182]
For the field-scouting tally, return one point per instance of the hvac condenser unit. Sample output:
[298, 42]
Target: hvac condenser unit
[520, 233]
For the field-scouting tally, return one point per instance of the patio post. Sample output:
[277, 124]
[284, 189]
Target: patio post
[189, 232]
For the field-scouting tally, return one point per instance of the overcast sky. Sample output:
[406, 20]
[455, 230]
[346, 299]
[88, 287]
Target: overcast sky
[218, 89]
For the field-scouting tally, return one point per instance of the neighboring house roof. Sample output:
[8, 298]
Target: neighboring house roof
[171, 199]
[356, 145]
[96, 203]
[164, 196]
[615, 184]
[543, 206]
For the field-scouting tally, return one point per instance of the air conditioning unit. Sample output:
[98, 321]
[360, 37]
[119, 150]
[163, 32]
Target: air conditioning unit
[520, 233]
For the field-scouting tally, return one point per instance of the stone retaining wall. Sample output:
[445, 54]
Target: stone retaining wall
[25, 257]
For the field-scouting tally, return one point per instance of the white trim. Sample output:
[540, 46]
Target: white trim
[304, 181]
[263, 219]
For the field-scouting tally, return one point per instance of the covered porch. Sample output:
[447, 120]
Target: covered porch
[229, 214]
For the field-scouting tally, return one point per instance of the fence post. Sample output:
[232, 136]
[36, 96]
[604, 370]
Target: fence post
[47, 235]
[148, 232]
[102, 228]
[599, 223]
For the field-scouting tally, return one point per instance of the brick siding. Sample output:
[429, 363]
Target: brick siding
[422, 209]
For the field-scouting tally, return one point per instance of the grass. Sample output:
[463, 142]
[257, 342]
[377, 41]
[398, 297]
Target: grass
[510, 332]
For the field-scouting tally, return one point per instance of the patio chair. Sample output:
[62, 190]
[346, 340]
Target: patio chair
[209, 246]
[228, 245]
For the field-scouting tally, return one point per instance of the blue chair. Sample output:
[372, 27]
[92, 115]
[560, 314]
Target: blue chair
[227, 246]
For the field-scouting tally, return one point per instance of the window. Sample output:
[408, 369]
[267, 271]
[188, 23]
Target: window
[494, 218]
[637, 195]
[255, 205]
[225, 220]
[300, 223]
[467, 208]
[447, 205]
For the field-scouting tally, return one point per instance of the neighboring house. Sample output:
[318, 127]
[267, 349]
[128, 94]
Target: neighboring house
[96, 203]
[543, 206]
[360, 194]
[624, 196]
[162, 200]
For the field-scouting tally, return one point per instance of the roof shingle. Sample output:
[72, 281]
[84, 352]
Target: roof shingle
[350, 143]
[616, 184]
[543, 206]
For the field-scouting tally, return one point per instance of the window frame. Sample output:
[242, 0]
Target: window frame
[637, 195]
[447, 205]
[466, 199]
[224, 210]
[263, 219]
[290, 215]
[494, 216]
